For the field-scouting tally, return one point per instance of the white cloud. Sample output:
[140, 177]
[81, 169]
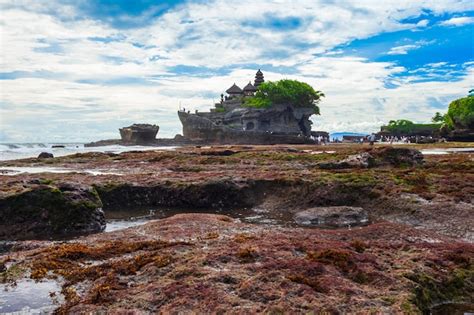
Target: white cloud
[422, 23]
[402, 50]
[215, 35]
[458, 21]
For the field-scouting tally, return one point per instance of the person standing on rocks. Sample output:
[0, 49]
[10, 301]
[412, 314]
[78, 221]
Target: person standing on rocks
[371, 139]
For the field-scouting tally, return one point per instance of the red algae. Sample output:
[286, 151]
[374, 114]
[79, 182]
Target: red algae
[415, 254]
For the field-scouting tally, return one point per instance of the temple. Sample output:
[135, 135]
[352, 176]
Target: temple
[230, 121]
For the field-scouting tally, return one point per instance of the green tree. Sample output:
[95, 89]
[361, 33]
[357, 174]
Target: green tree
[298, 94]
[461, 113]
[400, 126]
[437, 118]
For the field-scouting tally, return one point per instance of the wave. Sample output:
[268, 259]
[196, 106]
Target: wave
[14, 151]
[11, 146]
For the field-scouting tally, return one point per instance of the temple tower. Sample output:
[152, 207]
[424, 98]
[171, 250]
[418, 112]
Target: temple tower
[258, 78]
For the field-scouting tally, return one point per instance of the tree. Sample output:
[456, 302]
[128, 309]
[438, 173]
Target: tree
[405, 127]
[461, 113]
[293, 92]
[437, 118]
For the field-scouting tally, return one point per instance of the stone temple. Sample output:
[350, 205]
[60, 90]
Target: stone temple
[231, 122]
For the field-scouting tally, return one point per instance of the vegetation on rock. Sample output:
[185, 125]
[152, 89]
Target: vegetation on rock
[298, 94]
[406, 127]
[461, 113]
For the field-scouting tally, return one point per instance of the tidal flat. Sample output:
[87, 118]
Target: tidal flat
[387, 229]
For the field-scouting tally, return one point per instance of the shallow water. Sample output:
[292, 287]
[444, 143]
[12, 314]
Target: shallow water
[118, 219]
[13, 151]
[29, 297]
[442, 151]
[15, 170]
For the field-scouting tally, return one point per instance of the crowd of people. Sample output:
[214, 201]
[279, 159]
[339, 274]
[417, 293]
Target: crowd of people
[374, 138]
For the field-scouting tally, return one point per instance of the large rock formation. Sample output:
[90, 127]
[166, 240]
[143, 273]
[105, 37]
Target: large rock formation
[231, 122]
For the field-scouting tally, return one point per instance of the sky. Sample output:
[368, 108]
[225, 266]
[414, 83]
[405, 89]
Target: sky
[77, 70]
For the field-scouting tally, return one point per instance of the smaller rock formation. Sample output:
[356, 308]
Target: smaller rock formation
[139, 133]
[378, 157]
[332, 217]
[45, 155]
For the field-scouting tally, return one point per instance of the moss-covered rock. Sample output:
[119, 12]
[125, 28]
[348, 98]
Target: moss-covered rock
[46, 210]
[456, 287]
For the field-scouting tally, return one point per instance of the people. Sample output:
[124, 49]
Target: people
[372, 139]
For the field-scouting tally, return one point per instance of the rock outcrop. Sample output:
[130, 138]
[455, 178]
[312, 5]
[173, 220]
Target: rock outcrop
[45, 155]
[388, 156]
[332, 217]
[232, 121]
[279, 124]
[44, 211]
[139, 133]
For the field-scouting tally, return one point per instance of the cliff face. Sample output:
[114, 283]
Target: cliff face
[278, 124]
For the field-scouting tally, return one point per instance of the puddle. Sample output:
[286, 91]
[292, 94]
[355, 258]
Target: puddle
[118, 219]
[15, 170]
[122, 219]
[447, 151]
[29, 297]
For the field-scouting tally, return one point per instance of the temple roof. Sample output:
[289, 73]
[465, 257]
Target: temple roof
[234, 89]
[250, 88]
[258, 78]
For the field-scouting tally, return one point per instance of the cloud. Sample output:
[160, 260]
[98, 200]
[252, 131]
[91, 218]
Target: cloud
[402, 50]
[67, 62]
[458, 21]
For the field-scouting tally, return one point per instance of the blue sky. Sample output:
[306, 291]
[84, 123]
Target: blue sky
[79, 70]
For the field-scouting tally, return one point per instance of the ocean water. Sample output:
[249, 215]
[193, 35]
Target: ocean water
[13, 151]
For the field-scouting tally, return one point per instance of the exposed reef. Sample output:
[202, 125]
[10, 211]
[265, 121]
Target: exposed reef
[411, 251]
[212, 263]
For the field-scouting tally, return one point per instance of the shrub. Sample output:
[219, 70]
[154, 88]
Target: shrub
[298, 94]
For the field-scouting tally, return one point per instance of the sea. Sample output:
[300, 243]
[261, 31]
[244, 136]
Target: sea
[14, 151]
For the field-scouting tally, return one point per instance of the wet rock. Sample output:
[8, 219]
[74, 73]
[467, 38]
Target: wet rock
[361, 160]
[388, 156]
[334, 217]
[45, 155]
[220, 152]
[397, 156]
[45, 211]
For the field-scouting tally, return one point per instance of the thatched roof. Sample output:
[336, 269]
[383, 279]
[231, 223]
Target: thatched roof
[234, 89]
[250, 88]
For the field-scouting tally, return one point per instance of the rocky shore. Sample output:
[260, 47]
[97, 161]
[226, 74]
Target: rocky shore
[368, 230]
